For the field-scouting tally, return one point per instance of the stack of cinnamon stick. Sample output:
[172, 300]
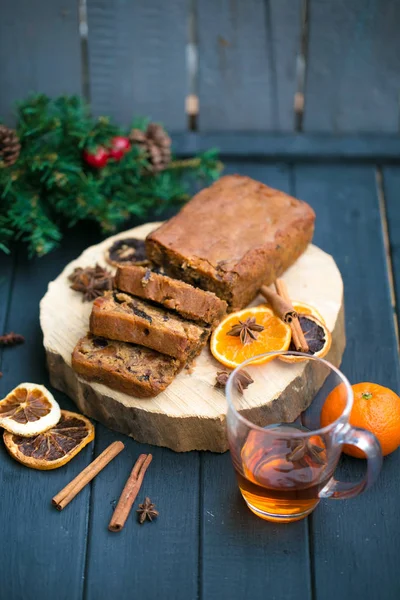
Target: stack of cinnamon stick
[128, 495]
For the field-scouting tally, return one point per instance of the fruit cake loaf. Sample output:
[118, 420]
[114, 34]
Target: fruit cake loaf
[131, 369]
[233, 237]
[190, 302]
[118, 316]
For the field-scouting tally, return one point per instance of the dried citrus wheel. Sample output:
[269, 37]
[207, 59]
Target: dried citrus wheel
[318, 338]
[29, 409]
[55, 447]
[306, 309]
[247, 333]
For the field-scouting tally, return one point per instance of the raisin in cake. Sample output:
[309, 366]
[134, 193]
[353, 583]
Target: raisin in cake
[190, 302]
[119, 316]
[131, 369]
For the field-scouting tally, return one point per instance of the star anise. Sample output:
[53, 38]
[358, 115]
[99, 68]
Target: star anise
[92, 282]
[246, 330]
[301, 449]
[147, 510]
[11, 339]
[242, 380]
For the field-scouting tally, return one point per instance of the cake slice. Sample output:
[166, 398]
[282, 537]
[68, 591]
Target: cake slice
[118, 316]
[131, 369]
[233, 237]
[190, 302]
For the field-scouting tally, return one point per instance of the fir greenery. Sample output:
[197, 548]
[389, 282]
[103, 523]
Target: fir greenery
[50, 186]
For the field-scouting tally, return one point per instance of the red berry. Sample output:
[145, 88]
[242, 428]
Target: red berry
[119, 146]
[97, 159]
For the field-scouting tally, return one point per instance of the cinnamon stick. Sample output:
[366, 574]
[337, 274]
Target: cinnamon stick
[129, 493]
[298, 338]
[64, 497]
[283, 309]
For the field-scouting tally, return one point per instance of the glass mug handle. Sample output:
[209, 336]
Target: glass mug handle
[367, 442]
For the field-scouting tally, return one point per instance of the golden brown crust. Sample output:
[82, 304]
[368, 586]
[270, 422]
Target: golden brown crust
[233, 237]
[188, 301]
[133, 370]
[118, 316]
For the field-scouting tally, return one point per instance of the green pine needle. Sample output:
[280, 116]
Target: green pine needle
[51, 187]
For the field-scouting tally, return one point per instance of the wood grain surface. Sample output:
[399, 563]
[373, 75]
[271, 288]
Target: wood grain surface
[137, 60]
[49, 548]
[391, 186]
[356, 534]
[206, 543]
[40, 50]
[353, 67]
[247, 64]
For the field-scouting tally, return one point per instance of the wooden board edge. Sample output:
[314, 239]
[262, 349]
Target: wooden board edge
[152, 428]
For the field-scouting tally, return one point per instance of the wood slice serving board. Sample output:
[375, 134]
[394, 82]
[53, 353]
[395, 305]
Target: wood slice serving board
[190, 413]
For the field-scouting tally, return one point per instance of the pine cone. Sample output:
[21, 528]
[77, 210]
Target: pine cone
[9, 145]
[156, 143]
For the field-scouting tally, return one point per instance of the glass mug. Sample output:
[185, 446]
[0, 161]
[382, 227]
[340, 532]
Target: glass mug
[285, 460]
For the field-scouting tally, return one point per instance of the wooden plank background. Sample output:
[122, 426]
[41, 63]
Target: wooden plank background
[167, 554]
[48, 548]
[391, 187]
[353, 66]
[349, 537]
[40, 50]
[137, 60]
[251, 59]
[247, 64]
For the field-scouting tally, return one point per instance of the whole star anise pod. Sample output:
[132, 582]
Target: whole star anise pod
[92, 282]
[246, 330]
[242, 380]
[11, 339]
[302, 448]
[147, 510]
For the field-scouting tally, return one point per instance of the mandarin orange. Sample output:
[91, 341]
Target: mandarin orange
[375, 408]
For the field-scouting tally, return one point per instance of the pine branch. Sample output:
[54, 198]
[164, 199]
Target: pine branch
[51, 187]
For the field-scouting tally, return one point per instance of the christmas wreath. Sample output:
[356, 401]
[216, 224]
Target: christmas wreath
[61, 166]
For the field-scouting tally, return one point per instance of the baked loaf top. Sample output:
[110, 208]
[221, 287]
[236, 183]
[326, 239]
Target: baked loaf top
[119, 316]
[131, 369]
[188, 301]
[230, 233]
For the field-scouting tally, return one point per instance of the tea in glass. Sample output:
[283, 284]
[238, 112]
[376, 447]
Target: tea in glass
[284, 469]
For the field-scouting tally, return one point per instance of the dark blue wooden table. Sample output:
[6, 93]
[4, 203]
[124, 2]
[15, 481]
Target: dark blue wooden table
[206, 544]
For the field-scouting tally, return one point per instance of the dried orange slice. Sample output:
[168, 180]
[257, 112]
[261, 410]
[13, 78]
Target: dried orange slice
[306, 309]
[29, 409]
[318, 338]
[267, 334]
[55, 447]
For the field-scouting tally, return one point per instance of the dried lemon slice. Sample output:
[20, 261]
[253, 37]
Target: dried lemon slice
[28, 410]
[55, 447]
